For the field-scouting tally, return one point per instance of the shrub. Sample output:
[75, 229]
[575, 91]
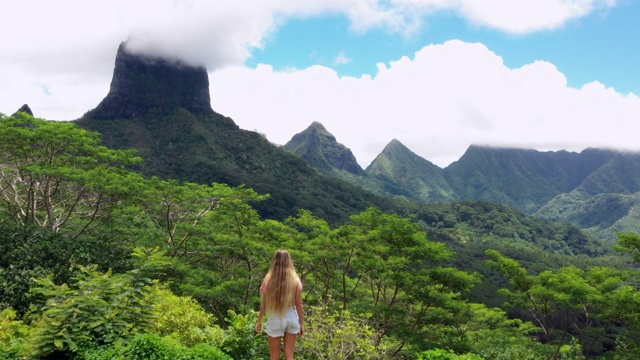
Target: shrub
[13, 335]
[184, 319]
[100, 308]
[440, 354]
[338, 335]
[153, 347]
[241, 341]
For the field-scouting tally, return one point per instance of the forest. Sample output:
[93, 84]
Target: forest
[98, 261]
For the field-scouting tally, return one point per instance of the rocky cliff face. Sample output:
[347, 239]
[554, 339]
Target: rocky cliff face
[24, 108]
[142, 83]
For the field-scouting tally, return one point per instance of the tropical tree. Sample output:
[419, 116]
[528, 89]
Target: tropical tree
[58, 176]
[573, 303]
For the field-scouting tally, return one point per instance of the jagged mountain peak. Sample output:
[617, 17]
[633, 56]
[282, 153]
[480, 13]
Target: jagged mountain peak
[24, 108]
[321, 149]
[142, 83]
[405, 173]
[395, 145]
[317, 126]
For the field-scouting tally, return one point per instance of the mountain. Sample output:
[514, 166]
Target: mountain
[402, 172]
[606, 202]
[142, 83]
[523, 178]
[24, 108]
[596, 189]
[162, 108]
[321, 150]
[396, 172]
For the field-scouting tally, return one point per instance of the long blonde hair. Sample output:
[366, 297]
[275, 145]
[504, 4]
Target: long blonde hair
[281, 283]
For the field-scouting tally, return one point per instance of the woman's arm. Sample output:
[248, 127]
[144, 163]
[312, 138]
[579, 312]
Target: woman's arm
[263, 306]
[299, 307]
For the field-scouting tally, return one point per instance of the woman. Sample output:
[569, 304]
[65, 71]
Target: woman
[282, 301]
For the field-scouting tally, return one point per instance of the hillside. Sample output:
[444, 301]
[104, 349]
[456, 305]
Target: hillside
[321, 150]
[595, 189]
[396, 172]
[162, 108]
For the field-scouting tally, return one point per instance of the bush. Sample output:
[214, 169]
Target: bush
[13, 335]
[440, 354]
[338, 335]
[154, 347]
[183, 318]
[241, 341]
[28, 252]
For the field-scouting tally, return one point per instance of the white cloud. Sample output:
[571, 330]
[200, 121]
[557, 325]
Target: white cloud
[58, 56]
[512, 16]
[341, 59]
[438, 103]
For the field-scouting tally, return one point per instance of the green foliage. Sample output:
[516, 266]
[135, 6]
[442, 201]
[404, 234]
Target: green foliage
[183, 318]
[153, 347]
[382, 265]
[375, 286]
[572, 303]
[58, 176]
[338, 336]
[629, 243]
[499, 225]
[240, 341]
[13, 335]
[492, 335]
[98, 307]
[28, 252]
[180, 212]
[441, 354]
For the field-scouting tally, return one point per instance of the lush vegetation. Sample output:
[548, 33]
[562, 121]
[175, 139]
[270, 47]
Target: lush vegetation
[98, 261]
[176, 144]
[557, 186]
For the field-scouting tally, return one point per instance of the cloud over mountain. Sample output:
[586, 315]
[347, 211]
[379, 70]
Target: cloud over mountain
[437, 103]
[58, 57]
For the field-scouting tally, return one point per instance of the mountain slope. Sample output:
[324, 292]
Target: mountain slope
[179, 138]
[596, 189]
[401, 172]
[606, 202]
[525, 179]
[396, 172]
[321, 150]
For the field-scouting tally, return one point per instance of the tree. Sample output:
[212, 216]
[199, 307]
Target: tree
[573, 303]
[99, 308]
[28, 252]
[408, 288]
[58, 176]
[338, 336]
[629, 243]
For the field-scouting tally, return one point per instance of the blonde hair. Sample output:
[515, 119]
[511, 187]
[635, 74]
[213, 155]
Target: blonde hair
[281, 283]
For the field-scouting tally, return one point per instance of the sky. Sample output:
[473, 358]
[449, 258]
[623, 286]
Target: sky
[437, 75]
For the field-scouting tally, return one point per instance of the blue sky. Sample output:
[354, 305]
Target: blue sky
[437, 75]
[600, 46]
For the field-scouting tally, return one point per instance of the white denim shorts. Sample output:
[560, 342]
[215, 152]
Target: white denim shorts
[277, 324]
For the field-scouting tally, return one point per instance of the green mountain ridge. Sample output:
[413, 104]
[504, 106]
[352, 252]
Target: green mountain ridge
[178, 139]
[594, 189]
[323, 152]
[205, 147]
[396, 171]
